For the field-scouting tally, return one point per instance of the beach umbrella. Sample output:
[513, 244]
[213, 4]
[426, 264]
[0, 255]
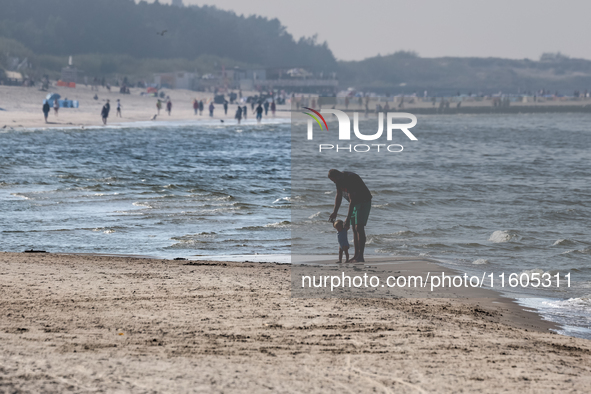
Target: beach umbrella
[53, 96]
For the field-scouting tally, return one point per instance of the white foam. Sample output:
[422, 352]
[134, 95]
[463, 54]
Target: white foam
[282, 199]
[317, 214]
[500, 236]
[563, 242]
[480, 262]
[283, 224]
[142, 204]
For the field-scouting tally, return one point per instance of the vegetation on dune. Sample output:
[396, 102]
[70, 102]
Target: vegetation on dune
[108, 64]
[407, 72]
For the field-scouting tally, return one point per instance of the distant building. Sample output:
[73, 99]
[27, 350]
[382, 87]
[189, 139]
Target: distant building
[69, 74]
[177, 80]
[178, 3]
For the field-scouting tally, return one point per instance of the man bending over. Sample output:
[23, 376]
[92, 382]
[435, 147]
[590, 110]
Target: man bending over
[353, 189]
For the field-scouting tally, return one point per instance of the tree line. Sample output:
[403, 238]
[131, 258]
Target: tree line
[155, 30]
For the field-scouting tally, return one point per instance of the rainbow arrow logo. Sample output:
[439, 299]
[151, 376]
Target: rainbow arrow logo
[315, 118]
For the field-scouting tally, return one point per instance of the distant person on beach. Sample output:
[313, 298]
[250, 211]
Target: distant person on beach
[244, 112]
[259, 111]
[273, 108]
[195, 106]
[201, 107]
[46, 110]
[118, 109]
[169, 107]
[158, 106]
[238, 115]
[56, 106]
[266, 105]
[105, 112]
[351, 187]
[211, 108]
[225, 107]
[343, 241]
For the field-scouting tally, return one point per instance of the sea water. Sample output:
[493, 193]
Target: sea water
[498, 193]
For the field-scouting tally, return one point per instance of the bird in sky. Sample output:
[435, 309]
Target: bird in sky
[161, 32]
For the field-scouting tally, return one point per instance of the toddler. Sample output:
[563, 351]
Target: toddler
[343, 242]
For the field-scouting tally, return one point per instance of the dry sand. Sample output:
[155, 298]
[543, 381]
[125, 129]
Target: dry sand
[75, 323]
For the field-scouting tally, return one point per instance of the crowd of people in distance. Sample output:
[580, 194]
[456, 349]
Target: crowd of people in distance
[259, 108]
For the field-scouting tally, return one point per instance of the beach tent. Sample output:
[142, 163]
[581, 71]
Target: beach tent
[68, 103]
[51, 97]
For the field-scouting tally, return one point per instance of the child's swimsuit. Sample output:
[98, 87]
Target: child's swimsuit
[342, 237]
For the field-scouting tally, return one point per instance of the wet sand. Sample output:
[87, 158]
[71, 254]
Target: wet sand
[73, 323]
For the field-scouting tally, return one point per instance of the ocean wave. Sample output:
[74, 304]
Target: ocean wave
[283, 224]
[581, 303]
[224, 198]
[480, 262]
[142, 204]
[405, 233]
[21, 196]
[283, 200]
[563, 242]
[501, 236]
[68, 176]
[577, 251]
[187, 244]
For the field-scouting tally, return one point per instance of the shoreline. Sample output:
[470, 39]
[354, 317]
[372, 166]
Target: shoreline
[21, 109]
[111, 323]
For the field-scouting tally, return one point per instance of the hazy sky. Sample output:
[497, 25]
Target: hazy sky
[502, 28]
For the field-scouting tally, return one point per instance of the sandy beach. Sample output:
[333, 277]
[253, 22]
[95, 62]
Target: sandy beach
[22, 107]
[73, 323]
